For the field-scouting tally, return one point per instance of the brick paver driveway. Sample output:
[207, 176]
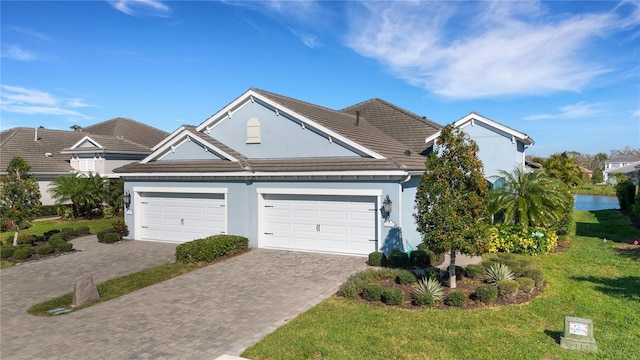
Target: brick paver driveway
[220, 309]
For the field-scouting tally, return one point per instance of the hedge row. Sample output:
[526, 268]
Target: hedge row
[210, 248]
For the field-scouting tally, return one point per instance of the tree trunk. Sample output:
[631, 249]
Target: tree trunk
[452, 270]
[15, 236]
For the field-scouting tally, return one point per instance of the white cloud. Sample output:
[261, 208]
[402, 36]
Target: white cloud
[482, 49]
[580, 110]
[137, 7]
[31, 33]
[15, 52]
[15, 99]
[308, 40]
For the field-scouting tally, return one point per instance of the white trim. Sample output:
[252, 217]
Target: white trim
[179, 139]
[87, 138]
[268, 174]
[304, 191]
[473, 117]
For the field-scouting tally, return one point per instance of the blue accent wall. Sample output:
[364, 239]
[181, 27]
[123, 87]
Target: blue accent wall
[497, 152]
[281, 137]
[410, 232]
[190, 150]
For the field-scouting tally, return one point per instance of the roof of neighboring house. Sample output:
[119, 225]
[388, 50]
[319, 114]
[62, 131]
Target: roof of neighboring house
[623, 158]
[584, 170]
[624, 169]
[131, 130]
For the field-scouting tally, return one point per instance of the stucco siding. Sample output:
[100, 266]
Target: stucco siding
[190, 150]
[496, 150]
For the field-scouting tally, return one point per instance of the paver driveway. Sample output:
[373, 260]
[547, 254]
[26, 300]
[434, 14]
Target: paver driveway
[220, 309]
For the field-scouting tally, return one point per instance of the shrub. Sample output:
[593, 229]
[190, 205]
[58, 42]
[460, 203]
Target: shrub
[535, 272]
[56, 237]
[397, 258]
[64, 247]
[432, 273]
[50, 233]
[56, 242]
[48, 210]
[423, 299]
[102, 233]
[6, 252]
[626, 192]
[474, 271]
[405, 277]
[68, 232]
[375, 258]
[459, 272]
[418, 258]
[83, 230]
[211, 248]
[498, 272]
[371, 275]
[429, 286]
[26, 239]
[507, 288]
[526, 284]
[456, 298]
[372, 292]
[65, 213]
[110, 238]
[108, 212]
[120, 228]
[353, 286]
[45, 249]
[392, 296]
[514, 238]
[487, 294]
[23, 252]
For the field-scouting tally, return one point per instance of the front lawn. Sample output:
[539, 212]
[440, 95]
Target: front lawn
[40, 227]
[592, 279]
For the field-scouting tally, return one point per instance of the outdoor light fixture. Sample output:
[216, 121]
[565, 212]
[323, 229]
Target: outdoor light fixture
[127, 199]
[386, 205]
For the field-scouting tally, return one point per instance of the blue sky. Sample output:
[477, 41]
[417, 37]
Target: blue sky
[565, 73]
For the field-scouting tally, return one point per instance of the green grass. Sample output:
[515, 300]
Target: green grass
[591, 279]
[593, 189]
[118, 286]
[40, 227]
[5, 264]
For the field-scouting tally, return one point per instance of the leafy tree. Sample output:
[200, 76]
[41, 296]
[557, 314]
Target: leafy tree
[115, 194]
[598, 177]
[450, 201]
[19, 195]
[626, 151]
[530, 199]
[563, 167]
[84, 193]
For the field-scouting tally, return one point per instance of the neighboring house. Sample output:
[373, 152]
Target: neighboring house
[586, 172]
[289, 174]
[52, 153]
[629, 170]
[611, 165]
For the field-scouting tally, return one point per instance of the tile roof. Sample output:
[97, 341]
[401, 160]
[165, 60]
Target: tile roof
[623, 158]
[131, 130]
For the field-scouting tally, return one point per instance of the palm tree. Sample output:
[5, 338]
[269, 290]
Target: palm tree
[563, 167]
[84, 193]
[530, 199]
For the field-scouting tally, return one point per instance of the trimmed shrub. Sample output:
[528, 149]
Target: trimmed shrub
[23, 252]
[535, 272]
[626, 192]
[102, 233]
[56, 242]
[397, 258]
[418, 258]
[26, 239]
[507, 288]
[56, 237]
[487, 294]
[67, 232]
[526, 284]
[6, 252]
[353, 286]
[83, 230]
[110, 238]
[48, 210]
[423, 299]
[514, 238]
[392, 296]
[45, 249]
[49, 233]
[64, 247]
[372, 292]
[432, 273]
[456, 298]
[120, 228]
[405, 277]
[474, 271]
[375, 258]
[211, 248]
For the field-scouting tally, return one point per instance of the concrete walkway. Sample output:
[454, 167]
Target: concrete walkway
[220, 309]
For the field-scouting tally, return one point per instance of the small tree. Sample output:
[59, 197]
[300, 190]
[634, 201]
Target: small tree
[450, 201]
[19, 195]
[563, 167]
[84, 193]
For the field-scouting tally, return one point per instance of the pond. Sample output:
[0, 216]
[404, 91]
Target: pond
[595, 202]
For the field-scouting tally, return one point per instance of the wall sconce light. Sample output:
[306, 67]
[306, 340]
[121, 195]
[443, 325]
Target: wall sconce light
[127, 199]
[386, 206]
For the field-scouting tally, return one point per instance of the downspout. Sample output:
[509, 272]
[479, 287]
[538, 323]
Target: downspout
[405, 244]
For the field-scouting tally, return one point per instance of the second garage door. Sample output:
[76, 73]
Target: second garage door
[339, 224]
[182, 217]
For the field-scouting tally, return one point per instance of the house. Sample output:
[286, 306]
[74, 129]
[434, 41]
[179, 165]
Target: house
[628, 170]
[96, 149]
[293, 175]
[611, 165]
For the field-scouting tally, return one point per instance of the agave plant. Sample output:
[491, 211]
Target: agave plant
[429, 286]
[497, 272]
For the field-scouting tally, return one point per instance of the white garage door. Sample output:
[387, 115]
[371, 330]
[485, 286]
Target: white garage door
[182, 217]
[340, 224]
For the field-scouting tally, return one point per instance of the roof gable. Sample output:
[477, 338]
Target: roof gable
[475, 118]
[184, 141]
[86, 143]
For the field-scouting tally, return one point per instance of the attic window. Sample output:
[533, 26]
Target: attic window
[253, 131]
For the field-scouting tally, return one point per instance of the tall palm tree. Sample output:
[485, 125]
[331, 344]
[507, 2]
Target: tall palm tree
[84, 193]
[530, 199]
[563, 167]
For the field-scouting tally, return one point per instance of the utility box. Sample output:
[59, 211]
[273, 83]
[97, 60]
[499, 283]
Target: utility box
[578, 334]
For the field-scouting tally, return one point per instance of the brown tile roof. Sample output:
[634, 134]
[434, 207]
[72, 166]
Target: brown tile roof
[110, 144]
[131, 130]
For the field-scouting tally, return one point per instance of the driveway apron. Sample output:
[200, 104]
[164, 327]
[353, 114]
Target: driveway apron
[220, 309]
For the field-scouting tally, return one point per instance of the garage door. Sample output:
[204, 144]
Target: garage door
[181, 217]
[340, 224]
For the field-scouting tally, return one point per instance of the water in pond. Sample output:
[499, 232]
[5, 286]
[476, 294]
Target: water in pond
[595, 202]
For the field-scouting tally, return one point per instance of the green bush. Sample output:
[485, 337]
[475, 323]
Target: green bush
[397, 258]
[68, 233]
[65, 213]
[26, 239]
[474, 271]
[375, 258]
[6, 252]
[108, 212]
[423, 299]
[535, 272]
[56, 242]
[372, 292]
[432, 273]
[102, 233]
[83, 230]
[353, 286]
[56, 237]
[64, 247]
[23, 252]
[392, 296]
[487, 294]
[120, 228]
[626, 193]
[211, 248]
[50, 233]
[456, 298]
[45, 249]
[405, 277]
[48, 210]
[110, 238]
[526, 284]
[418, 258]
[514, 238]
[507, 288]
